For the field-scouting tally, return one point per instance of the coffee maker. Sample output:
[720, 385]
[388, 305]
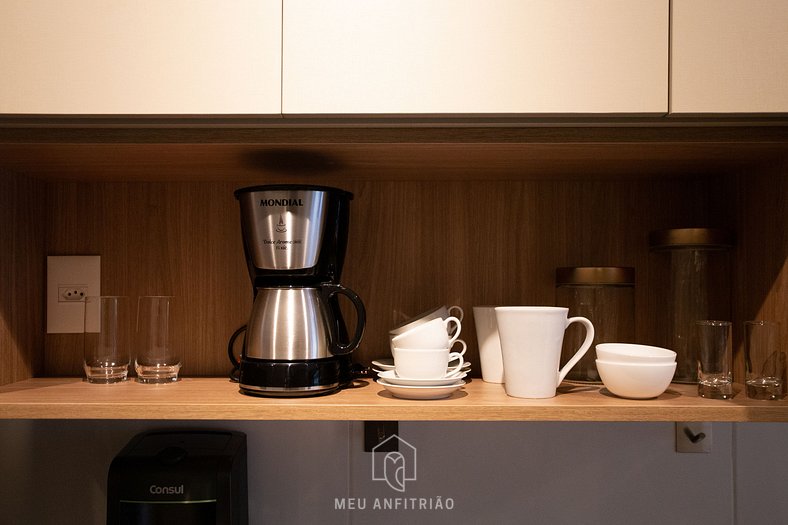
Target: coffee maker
[296, 341]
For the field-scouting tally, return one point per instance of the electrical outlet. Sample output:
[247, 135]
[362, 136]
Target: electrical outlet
[70, 279]
[377, 434]
[693, 437]
[72, 292]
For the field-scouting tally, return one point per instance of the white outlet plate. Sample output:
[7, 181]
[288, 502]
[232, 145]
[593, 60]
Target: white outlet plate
[694, 437]
[70, 278]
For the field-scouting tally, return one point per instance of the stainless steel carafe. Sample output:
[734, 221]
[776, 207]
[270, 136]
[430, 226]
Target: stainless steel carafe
[298, 323]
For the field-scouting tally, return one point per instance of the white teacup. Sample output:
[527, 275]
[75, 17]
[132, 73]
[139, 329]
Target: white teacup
[441, 312]
[425, 363]
[432, 334]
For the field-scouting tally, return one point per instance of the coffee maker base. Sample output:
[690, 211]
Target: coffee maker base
[273, 378]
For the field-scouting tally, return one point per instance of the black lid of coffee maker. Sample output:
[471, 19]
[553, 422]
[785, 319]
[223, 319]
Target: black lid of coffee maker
[292, 187]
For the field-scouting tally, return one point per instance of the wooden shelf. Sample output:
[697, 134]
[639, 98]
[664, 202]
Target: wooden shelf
[218, 399]
[338, 153]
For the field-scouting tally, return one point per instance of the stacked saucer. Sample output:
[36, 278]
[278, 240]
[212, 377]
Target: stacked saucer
[414, 388]
[387, 363]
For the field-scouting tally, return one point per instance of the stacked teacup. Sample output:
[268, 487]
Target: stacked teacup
[425, 365]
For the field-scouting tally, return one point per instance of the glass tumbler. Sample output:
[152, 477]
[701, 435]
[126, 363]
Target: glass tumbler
[715, 359]
[765, 361]
[157, 359]
[107, 339]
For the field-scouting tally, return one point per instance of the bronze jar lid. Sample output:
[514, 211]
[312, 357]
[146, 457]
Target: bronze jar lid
[595, 275]
[709, 238]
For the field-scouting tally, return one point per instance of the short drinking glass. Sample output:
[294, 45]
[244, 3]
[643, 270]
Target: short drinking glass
[764, 360]
[715, 355]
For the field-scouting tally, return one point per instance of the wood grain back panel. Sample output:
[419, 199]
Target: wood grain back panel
[413, 245]
[22, 211]
[761, 281]
[448, 223]
[499, 242]
[176, 239]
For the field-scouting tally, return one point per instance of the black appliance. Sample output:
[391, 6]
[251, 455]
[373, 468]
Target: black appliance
[185, 477]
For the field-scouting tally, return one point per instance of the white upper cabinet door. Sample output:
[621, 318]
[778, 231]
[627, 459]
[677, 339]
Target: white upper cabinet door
[729, 56]
[475, 57]
[134, 57]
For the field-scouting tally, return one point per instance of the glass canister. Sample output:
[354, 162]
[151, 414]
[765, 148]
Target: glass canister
[606, 296]
[689, 280]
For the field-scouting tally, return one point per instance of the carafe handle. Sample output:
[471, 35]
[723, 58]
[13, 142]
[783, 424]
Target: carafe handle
[328, 291]
[231, 354]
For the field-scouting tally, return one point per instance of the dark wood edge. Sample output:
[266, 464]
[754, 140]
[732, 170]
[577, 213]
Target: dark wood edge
[195, 130]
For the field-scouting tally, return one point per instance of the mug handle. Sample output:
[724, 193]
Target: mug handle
[464, 346]
[456, 334]
[583, 348]
[460, 314]
[234, 373]
[456, 369]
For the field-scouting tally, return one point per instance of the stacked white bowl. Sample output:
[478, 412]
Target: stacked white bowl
[635, 371]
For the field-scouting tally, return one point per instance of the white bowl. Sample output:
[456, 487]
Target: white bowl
[633, 353]
[636, 380]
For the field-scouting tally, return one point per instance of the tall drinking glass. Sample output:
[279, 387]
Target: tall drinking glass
[157, 359]
[715, 357]
[107, 339]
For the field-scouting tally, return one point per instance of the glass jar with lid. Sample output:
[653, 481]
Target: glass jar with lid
[689, 281]
[606, 296]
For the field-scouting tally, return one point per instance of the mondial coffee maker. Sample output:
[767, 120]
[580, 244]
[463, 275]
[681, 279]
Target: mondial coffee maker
[296, 341]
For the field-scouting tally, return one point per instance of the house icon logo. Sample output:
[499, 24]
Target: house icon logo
[394, 467]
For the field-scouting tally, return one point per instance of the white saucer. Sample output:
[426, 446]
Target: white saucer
[384, 364]
[421, 392]
[387, 363]
[464, 371]
[390, 376]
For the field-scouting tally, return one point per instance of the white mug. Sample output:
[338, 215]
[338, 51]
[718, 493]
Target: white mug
[425, 363]
[531, 339]
[489, 344]
[432, 334]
